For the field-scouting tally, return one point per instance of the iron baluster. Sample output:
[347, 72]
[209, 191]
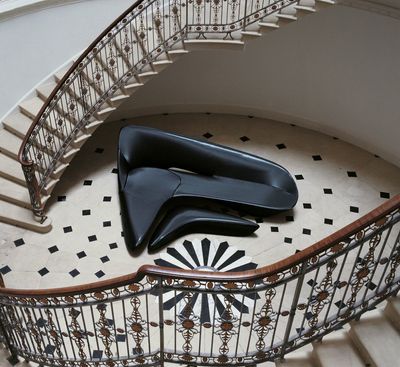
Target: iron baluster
[293, 308]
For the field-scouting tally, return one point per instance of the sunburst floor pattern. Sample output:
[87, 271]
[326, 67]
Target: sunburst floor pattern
[206, 255]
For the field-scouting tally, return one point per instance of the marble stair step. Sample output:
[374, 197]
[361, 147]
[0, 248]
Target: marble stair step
[21, 217]
[298, 358]
[17, 123]
[10, 144]
[336, 349]
[11, 169]
[376, 339]
[392, 311]
[14, 193]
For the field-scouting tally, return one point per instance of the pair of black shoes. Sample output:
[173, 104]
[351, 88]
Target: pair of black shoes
[165, 180]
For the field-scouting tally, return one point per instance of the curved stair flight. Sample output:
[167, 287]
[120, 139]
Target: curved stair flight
[15, 203]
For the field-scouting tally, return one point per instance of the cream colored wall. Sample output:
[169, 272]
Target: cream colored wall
[337, 72]
[35, 44]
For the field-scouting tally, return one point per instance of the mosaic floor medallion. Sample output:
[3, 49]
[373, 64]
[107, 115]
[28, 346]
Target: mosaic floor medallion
[206, 255]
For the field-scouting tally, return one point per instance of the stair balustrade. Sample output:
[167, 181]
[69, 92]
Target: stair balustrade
[143, 38]
[163, 315]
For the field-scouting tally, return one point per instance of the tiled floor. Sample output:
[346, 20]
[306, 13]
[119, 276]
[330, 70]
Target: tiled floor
[337, 184]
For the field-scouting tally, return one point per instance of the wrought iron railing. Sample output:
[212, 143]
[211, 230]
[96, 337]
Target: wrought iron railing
[147, 32]
[160, 315]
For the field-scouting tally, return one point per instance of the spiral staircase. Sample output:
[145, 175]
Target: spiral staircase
[15, 201]
[358, 343]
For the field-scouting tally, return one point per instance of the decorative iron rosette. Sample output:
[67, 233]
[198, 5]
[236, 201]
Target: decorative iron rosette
[206, 255]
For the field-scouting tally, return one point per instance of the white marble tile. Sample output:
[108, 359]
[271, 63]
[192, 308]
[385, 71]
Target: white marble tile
[373, 176]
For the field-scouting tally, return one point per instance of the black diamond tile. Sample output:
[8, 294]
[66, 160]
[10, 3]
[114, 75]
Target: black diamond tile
[97, 354]
[385, 195]
[317, 158]
[107, 198]
[74, 273]
[289, 218]
[61, 198]
[67, 229]
[328, 221]
[92, 238]
[281, 146]
[335, 138]
[121, 338]
[99, 150]
[81, 254]
[41, 323]
[53, 249]
[328, 191]
[288, 240]
[208, 135]
[104, 259]
[250, 116]
[297, 251]
[107, 223]
[5, 269]
[49, 349]
[86, 212]
[259, 220]
[340, 304]
[100, 274]
[299, 177]
[274, 229]
[114, 170]
[306, 231]
[307, 206]
[87, 183]
[371, 286]
[309, 315]
[351, 174]
[19, 242]
[311, 282]
[113, 245]
[244, 138]
[122, 234]
[43, 271]
[354, 209]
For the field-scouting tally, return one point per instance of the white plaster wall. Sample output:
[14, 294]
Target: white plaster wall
[35, 44]
[337, 72]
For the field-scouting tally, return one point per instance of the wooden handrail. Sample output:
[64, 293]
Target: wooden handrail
[66, 76]
[245, 276]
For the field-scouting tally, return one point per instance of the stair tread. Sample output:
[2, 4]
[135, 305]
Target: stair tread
[392, 311]
[14, 191]
[46, 89]
[367, 334]
[296, 359]
[336, 350]
[22, 217]
[286, 16]
[251, 33]
[31, 106]
[305, 8]
[11, 168]
[9, 143]
[17, 123]
[268, 24]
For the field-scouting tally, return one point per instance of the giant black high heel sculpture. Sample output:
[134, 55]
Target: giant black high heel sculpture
[165, 180]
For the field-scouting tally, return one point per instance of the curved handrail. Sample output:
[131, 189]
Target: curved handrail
[73, 67]
[152, 27]
[273, 310]
[319, 247]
